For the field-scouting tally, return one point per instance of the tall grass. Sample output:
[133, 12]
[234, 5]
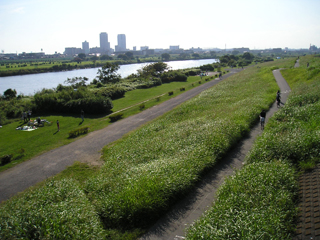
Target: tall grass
[152, 167]
[59, 210]
[259, 201]
[255, 203]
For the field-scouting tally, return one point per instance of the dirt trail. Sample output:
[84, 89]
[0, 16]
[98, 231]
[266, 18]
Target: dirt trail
[86, 149]
[173, 225]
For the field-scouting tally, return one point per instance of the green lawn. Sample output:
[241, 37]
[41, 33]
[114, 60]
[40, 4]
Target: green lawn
[46, 138]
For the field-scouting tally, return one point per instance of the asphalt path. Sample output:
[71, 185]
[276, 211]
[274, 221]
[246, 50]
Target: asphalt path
[87, 149]
[174, 224]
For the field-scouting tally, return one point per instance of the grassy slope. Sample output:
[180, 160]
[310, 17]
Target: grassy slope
[154, 165]
[259, 201]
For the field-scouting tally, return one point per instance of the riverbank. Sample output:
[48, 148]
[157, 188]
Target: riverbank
[16, 68]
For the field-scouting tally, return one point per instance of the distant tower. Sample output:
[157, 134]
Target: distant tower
[85, 47]
[121, 43]
[104, 44]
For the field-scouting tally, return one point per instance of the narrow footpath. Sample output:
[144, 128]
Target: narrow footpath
[173, 225]
[87, 149]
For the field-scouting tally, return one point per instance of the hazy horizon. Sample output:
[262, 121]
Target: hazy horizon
[32, 25]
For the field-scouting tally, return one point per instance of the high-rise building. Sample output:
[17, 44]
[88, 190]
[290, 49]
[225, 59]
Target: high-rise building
[121, 43]
[104, 44]
[85, 47]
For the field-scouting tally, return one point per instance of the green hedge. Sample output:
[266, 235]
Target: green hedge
[77, 132]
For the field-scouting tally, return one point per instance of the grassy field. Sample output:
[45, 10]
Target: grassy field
[150, 169]
[25, 145]
[259, 202]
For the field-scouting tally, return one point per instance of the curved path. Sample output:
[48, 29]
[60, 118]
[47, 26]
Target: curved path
[173, 225]
[86, 149]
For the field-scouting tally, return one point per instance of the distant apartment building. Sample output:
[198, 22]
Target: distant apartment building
[104, 44]
[85, 47]
[121, 47]
[277, 50]
[144, 48]
[72, 51]
[174, 47]
[134, 48]
[241, 50]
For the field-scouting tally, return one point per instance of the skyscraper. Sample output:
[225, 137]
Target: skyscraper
[85, 47]
[121, 43]
[104, 44]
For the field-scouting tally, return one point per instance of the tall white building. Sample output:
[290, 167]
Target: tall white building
[85, 47]
[122, 46]
[104, 44]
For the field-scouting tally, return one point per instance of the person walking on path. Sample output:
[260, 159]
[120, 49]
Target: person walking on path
[82, 115]
[262, 118]
[58, 125]
[278, 98]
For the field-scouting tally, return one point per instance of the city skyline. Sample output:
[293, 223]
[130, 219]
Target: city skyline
[32, 25]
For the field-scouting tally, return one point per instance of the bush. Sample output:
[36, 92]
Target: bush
[77, 132]
[170, 93]
[113, 92]
[115, 117]
[142, 106]
[6, 159]
[182, 89]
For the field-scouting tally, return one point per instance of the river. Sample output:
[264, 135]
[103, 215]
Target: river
[31, 83]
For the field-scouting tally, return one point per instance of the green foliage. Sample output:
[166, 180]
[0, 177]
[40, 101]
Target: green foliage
[116, 117]
[113, 92]
[68, 100]
[9, 93]
[173, 76]
[170, 93]
[142, 106]
[59, 210]
[77, 132]
[5, 159]
[139, 179]
[107, 74]
[207, 67]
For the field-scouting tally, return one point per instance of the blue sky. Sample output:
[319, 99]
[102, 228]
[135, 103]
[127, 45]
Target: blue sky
[29, 25]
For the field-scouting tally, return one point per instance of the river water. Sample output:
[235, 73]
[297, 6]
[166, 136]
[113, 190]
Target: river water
[31, 83]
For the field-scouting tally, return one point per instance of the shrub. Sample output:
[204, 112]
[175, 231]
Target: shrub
[113, 92]
[77, 132]
[158, 99]
[115, 117]
[182, 89]
[170, 93]
[6, 159]
[142, 106]
[199, 82]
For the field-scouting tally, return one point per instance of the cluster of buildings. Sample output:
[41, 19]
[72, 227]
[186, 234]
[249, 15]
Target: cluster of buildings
[119, 49]
[103, 49]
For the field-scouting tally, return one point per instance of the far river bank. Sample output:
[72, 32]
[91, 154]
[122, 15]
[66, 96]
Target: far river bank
[31, 83]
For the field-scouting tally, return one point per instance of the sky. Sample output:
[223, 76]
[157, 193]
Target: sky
[32, 25]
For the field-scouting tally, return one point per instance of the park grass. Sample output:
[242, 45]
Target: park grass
[259, 201]
[25, 145]
[153, 167]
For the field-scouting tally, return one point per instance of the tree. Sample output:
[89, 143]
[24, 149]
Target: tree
[123, 56]
[77, 81]
[248, 56]
[9, 93]
[213, 53]
[77, 59]
[165, 56]
[105, 57]
[195, 55]
[107, 74]
[153, 69]
[82, 56]
[129, 55]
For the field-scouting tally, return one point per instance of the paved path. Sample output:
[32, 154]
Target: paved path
[173, 225]
[88, 148]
